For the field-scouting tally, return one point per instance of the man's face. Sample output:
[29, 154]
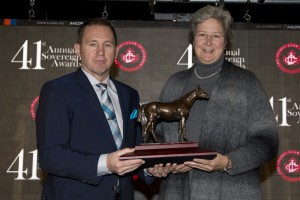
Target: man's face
[97, 51]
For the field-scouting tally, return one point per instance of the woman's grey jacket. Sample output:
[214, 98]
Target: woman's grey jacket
[239, 122]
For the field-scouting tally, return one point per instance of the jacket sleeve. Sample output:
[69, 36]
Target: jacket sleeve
[262, 134]
[53, 122]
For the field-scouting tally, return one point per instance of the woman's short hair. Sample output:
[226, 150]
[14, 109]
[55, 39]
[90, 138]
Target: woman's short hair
[218, 13]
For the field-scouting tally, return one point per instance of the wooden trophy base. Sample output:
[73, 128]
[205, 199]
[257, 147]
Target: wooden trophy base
[163, 153]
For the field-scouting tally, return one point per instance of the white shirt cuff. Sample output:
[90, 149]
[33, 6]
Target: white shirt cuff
[102, 167]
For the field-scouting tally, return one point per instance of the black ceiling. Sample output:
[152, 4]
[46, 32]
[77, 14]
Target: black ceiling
[286, 13]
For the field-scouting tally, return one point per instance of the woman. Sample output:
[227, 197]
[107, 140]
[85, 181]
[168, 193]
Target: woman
[237, 121]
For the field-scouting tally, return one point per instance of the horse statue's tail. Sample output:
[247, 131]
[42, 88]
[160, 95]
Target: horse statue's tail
[140, 113]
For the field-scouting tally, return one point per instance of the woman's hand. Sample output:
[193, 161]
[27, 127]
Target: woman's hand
[160, 170]
[219, 163]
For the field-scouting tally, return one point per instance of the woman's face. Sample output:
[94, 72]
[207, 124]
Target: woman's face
[209, 41]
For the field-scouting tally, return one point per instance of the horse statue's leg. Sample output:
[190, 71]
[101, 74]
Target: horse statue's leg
[140, 119]
[144, 132]
[182, 137]
[147, 129]
[152, 131]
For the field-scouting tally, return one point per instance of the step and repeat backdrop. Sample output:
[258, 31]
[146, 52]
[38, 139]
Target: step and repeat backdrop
[33, 52]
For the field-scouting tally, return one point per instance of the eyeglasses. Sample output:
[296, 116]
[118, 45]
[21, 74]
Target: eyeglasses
[213, 37]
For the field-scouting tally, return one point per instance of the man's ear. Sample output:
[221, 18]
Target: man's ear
[77, 49]
[117, 51]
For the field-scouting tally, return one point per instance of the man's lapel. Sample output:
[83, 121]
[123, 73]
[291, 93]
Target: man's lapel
[93, 103]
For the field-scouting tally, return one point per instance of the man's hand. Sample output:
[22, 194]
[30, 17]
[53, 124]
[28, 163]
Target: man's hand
[122, 167]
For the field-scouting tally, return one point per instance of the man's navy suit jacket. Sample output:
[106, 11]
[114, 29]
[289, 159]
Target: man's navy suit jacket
[72, 131]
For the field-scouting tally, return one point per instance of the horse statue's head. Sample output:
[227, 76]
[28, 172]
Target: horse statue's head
[200, 93]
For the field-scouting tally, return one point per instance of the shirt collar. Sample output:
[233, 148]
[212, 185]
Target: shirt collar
[93, 80]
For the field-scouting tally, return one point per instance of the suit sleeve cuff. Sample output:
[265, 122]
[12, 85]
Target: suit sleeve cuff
[147, 173]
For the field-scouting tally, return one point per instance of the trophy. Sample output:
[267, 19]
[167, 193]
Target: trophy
[162, 153]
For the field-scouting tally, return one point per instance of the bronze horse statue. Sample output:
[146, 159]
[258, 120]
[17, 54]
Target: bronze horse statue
[175, 110]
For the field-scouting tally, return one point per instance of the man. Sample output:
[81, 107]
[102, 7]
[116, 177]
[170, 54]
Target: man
[74, 138]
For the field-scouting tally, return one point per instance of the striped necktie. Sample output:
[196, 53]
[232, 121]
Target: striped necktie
[109, 111]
